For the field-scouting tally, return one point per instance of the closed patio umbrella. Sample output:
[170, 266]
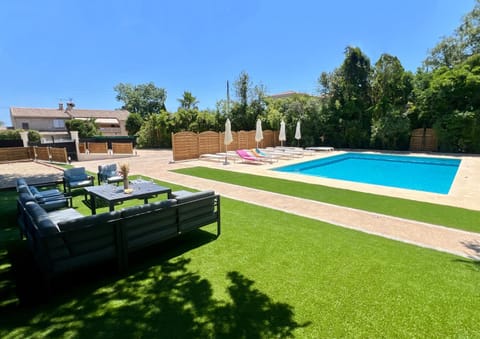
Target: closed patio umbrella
[228, 138]
[282, 135]
[298, 133]
[259, 132]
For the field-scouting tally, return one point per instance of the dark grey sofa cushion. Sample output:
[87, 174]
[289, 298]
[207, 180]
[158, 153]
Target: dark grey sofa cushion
[21, 182]
[79, 183]
[195, 196]
[149, 224]
[76, 174]
[64, 215]
[24, 189]
[45, 193]
[128, 212]
[41, 219]
[90, 220]
[25, 197]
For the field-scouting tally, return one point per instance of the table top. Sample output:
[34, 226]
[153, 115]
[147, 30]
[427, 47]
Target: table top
[140, 188]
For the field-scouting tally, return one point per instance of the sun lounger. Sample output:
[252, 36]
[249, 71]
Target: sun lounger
[264, 157]
[279, 154]
[270, 157]
[296, 150]
[319, 148]
[285, 150]
[246, 157]
[215, 157]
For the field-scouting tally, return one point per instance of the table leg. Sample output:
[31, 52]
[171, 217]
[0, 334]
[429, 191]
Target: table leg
[111, 206]
[92, 203]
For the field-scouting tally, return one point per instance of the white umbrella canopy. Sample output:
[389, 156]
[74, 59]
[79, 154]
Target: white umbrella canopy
[259, 132]
[298, 133]
[228, 133]
[228, 138]
[282, 136]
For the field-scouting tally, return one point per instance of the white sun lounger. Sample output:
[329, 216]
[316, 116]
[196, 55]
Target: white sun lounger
[278, 154]
[327, 149]
[215, 157]
[294, 153]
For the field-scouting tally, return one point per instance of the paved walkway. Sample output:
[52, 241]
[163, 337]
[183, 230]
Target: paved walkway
[157, 164]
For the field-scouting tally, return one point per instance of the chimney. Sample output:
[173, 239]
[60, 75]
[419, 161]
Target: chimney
[70, 105]
[60, 106]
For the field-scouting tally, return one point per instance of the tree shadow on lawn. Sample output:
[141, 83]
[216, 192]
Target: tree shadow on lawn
[475, 247]
[159, 297]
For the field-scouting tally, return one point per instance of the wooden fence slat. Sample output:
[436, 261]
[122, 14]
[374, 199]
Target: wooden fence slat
[15, 153]
[122, 148]
[189, 145]
[98, 147]
[423, 139]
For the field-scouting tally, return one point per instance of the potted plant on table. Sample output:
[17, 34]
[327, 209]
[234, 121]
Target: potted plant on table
[124, 170]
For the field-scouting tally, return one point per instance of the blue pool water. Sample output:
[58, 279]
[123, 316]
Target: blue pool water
[414, 173]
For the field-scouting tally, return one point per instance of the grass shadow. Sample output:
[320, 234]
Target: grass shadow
[159, 297]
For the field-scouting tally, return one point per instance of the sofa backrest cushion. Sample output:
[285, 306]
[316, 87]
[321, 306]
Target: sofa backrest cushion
[87, 221]
[21, 182]
[195, 196]
[25, 197]
[196, 210]
[76, 174]
[110, 170]
[41, 219]
[133, 210]
[24, 189]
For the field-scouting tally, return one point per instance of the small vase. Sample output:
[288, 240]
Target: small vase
[125, 183]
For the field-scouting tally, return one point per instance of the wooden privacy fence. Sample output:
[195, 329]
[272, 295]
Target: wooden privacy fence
[122, 148]
[102, 147]
[57, 154]
[189, 145]
[423, 139]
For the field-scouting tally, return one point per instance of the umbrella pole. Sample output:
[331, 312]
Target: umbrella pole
[226, 152]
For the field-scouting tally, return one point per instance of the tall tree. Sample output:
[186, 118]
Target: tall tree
[188, 101]
[391, 87]
[348, 89]
[453, 101]
[134, 123]
[463, 43]
[144, 99]
[155, 131]
[242, 117]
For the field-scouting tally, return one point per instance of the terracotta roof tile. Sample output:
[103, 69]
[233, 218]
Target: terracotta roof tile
[75, 113]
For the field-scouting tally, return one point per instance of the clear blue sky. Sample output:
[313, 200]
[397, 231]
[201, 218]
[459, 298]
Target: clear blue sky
[53, 50]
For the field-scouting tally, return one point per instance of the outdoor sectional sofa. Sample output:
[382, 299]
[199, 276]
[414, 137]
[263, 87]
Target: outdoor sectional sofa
[65, 240]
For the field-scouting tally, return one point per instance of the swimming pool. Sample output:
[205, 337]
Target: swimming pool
[427, 174]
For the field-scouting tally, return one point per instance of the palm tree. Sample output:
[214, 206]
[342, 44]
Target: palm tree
[188, 101]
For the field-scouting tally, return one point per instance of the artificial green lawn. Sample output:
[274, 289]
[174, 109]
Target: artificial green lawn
[454, 217]
[270, 274]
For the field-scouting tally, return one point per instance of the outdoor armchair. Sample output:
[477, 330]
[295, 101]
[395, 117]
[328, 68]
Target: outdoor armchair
[75, 178]
[109, 174]
[51, 199]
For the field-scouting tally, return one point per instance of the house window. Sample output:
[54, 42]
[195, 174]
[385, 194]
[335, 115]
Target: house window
[25, 125]
[58, 123]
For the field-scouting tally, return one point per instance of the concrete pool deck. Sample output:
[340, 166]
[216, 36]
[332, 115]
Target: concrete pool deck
[465, 193]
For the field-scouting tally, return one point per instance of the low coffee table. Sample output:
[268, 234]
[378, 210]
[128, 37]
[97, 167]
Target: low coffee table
[114, 194]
